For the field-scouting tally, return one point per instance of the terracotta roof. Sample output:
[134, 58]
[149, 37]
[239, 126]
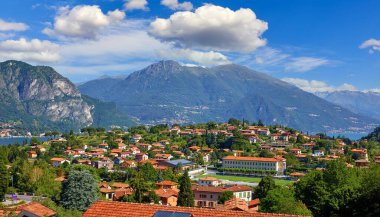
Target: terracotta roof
[118, 209]
[209, 178]
[119, 193]
[166, 193]
[120, 185]
[254, 202]
[167, 182]
[262, 159]
[106, 190]
[35, 208]
[236, 204]
[57, 159]
[297, 174]
[38, 209]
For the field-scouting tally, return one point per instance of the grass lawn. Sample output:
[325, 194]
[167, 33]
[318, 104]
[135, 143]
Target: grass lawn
[247, 179]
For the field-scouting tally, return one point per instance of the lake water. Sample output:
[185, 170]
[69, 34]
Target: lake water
[20, 140]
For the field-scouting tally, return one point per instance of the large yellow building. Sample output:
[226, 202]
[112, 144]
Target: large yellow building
[277, 164]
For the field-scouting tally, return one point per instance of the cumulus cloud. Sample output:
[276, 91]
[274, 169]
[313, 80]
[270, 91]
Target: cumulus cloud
[125, 48]
[372, 44]
[212, 27]
[175, 5]
[210, 58]
[82, 21]
[303, 64]
[34, 50]
[12, 26]
[136, 5]
[314, 86]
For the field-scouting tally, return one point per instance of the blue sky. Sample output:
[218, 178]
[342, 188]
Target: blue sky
[319, 45]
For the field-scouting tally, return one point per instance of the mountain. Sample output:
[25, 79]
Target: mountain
[167, 92]
[37, 98]
[106, 114]
[364, 103]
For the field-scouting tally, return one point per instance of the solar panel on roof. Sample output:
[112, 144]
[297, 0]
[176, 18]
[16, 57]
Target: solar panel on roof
[172, 214]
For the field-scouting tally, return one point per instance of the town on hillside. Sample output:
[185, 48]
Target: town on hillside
[210, 169]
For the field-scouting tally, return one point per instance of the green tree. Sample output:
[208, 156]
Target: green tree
[226, 195]
[266, 153]
[4, 180]
[332, 192]
[185, 196]
[266, 184]
[282, 200]
[300, 139]
[140, 187]
[148, 172]
[79, 191]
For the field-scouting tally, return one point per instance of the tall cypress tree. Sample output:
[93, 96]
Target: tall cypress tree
[185, 196]
[4, 180]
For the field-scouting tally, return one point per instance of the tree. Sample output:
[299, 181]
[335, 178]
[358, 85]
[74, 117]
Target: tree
[4, 180]
[300, 139]
[260, 123]
[148, 172]
[79, 191]
[226, 195]
[266, 184]
[185, 196]
[282, 200]
[139, 186]
[234, 122]
[332, 192]
[266, 153]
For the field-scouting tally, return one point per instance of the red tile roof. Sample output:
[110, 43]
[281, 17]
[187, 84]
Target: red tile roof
[35, 208]
[166, 193]
[167, 182]
[38, 209]
[262, 159]
[118, 209]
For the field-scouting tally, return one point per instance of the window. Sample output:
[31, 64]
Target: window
[211, 204]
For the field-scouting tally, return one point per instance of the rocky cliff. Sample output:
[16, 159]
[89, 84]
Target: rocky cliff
[37, 97]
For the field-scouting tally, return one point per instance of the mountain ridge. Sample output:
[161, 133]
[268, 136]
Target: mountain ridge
[166, 92]
[364, 103]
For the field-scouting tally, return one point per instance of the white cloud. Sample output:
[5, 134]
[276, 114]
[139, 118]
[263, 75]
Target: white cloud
[270, 56]
[125, 48]
[375, 90]
[314, 86]
[175, 5]
[372, 44]
[136, 5]
[12, 26]
[210, 58]
[34, 50]
[303, 64]
[82, 21]
[212, 27]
